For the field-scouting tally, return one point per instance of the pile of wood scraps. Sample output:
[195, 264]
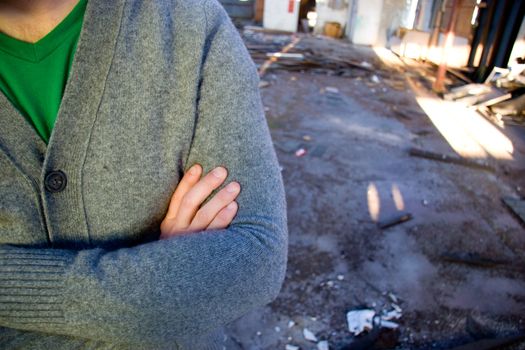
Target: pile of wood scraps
[501, 98]
[295, 53]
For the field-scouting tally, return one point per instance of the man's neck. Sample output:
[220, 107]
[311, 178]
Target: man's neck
[31, 20]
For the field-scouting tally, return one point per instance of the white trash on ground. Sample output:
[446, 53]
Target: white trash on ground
[309, 335]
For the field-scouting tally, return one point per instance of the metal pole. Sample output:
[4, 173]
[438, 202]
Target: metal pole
[439, 84]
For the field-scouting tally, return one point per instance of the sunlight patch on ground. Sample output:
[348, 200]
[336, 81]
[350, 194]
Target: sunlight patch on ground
[467, 132]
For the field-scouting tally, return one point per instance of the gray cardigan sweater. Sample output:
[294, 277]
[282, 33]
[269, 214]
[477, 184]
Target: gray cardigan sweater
[155, 86]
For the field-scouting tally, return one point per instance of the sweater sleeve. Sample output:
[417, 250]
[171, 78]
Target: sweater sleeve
[165, 291]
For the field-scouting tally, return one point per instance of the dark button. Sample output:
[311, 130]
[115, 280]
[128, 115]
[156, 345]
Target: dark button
[55, 181]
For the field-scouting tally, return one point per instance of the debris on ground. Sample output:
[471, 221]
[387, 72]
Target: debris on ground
[363, 320]
[516, 206]
[478, 164]
[286, 55]
[291, 347]
[331, 89]
[396, 219]
[323, 345]
[477, 95]
[360, 320]
[474, 259]
[288, 52]
[300, 152]
[309, 335]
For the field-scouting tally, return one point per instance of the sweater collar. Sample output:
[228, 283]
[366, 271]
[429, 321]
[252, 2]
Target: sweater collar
[78, 108]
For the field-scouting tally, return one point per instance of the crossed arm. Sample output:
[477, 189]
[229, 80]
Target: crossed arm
[189, 284]
[185, 213]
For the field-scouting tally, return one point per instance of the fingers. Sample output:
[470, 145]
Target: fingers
[205, 215]
[189, 180]
[193, 199]
[224, 218]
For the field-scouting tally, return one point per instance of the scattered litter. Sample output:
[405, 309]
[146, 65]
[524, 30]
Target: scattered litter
[308, 335]
[375, 79]
[332, 90]
[263, 84]
[266, 109]
[259, 334]
[290, 338]
[365, 320]
[291, 324]
[313, 318]
[450, 159]
[477, 95]
[323, 345]
[277, 329]
[396, 307]
[294, 78]
[360, 321]
[478, 260]
[395, 220]
[294, 56]
[307, 138]
[516, 206]
[287, 52]
[389, 324]
[340, 277]
[391, 315]
[300, 152]
[393, 297]
[291, 347]
[424, 202]
[330, 284]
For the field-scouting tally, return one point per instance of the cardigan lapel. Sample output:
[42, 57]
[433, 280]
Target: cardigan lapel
[77, 113]
[78, 109]
[20, 142]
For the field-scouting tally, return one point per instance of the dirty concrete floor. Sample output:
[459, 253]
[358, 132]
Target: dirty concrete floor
[357, 171]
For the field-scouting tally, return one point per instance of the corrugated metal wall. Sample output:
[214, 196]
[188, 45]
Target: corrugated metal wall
[238, 9]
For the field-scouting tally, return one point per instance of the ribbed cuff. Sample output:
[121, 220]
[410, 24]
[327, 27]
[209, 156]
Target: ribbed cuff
[32, 285]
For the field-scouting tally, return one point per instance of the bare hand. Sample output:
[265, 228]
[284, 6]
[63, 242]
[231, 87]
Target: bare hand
[185, 213]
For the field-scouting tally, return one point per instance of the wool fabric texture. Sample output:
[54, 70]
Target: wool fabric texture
[155, 87]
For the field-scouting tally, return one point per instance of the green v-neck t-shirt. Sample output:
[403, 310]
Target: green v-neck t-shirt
[33, 76]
